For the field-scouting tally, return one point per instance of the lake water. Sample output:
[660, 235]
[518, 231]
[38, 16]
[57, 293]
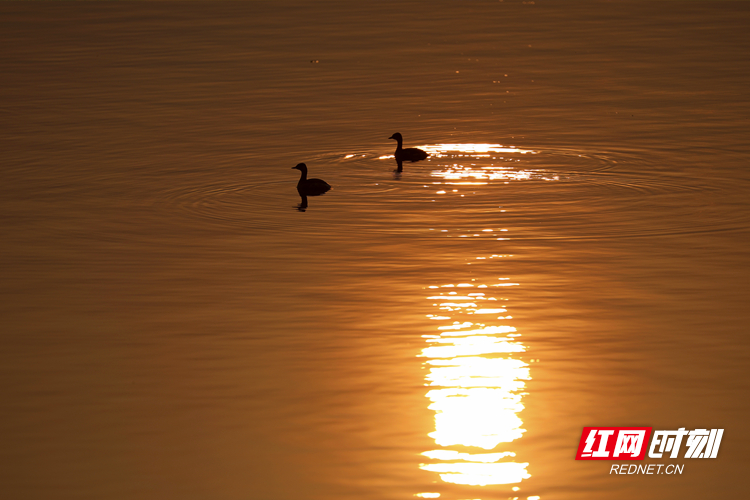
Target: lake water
[573, 252]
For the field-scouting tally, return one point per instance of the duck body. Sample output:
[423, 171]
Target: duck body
[406, 154]
[310, 187]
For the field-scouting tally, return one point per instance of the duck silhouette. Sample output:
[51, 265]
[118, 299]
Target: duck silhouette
[408, 154]
[308, 187]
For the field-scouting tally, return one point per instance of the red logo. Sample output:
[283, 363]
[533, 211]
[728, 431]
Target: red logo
[613, 443]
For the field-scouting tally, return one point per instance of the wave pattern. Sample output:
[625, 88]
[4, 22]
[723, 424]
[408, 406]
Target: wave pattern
[546, 193]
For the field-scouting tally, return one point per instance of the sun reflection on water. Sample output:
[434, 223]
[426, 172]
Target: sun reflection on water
[472, 149]
[475, 376]
[477, 164]
[476, 386]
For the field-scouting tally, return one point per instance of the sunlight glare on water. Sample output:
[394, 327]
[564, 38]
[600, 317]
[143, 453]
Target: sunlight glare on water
[476, 391]
[475, 164]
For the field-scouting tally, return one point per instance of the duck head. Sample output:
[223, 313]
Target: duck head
[396, 137]
[300, 167]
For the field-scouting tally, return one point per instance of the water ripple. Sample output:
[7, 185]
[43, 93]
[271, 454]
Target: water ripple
[542, 193]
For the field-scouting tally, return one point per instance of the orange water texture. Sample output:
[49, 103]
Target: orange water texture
[572, 253]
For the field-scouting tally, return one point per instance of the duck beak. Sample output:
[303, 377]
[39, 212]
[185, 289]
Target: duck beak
[391, 137]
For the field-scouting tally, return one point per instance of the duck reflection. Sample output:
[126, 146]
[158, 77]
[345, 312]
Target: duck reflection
[476, 382]
[308, 187]
[302, 204]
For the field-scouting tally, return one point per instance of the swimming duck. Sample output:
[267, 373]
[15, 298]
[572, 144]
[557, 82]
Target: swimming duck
[310, 187]
[408, 154]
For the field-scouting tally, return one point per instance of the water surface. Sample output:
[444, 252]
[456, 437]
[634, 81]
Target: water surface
[573, 253]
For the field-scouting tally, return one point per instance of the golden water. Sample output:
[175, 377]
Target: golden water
[573, 252]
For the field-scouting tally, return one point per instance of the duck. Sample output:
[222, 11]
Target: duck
[408, 154]
[310, 187]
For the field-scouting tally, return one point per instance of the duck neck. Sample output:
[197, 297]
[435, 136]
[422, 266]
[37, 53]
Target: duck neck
[399, 145]
[302, 174]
